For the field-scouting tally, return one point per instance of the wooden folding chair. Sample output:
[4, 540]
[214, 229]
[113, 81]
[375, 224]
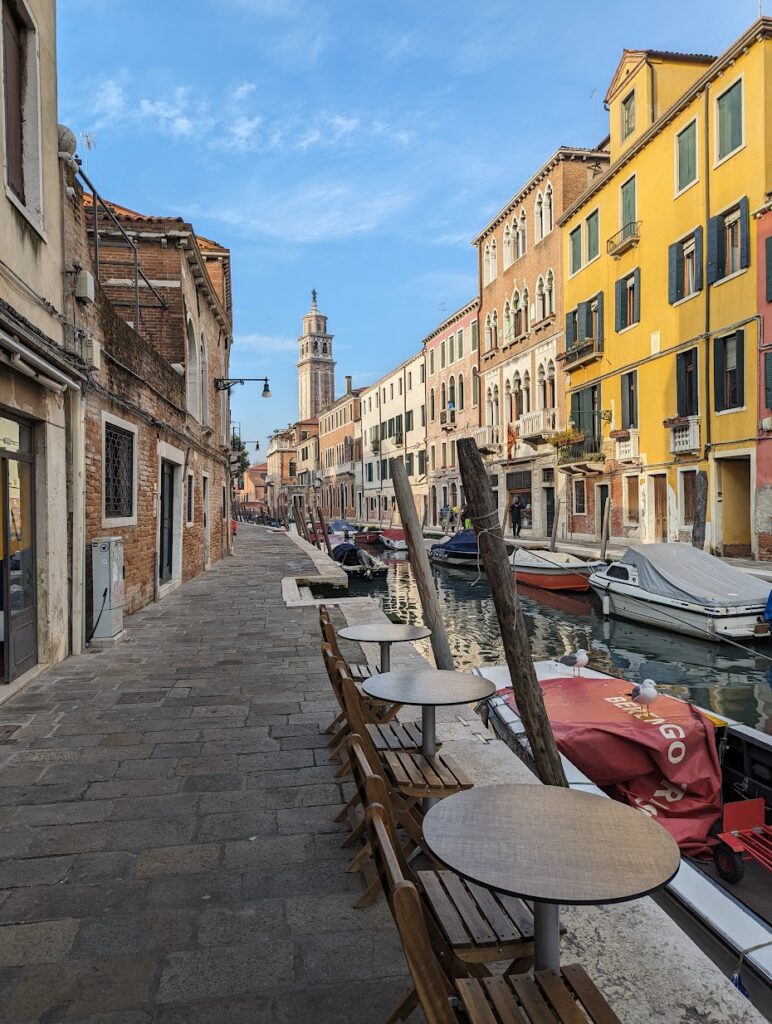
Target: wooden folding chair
[357, 670]
[550, 997]
[470, 922]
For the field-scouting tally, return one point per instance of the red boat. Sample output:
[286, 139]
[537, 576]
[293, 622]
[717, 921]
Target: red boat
[394, 539]
[551, 570]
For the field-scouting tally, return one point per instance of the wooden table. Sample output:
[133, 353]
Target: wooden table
[428, 688]
[550, 845]
[385, 634]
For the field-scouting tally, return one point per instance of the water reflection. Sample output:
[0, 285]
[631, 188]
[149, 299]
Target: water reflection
[715, 676]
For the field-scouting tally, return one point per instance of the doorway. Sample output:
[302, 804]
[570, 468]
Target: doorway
[549, 509]
[166, 546]
[660, 507]
[601, 500]
[734, 496]
[205, 517]
[18, 597]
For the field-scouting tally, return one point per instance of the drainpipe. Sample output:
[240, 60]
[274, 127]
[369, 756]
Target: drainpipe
[78, 466]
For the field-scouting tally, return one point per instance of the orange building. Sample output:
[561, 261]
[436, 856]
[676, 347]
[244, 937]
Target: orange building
[340, 452]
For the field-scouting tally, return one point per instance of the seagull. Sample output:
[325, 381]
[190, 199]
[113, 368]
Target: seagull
[575, 661]
[645, 694]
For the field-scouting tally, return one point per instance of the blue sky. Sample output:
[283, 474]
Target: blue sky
[355, 146]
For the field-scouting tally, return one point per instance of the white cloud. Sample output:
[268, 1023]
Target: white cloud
[242, 91]
[247, 344]
[241, 134]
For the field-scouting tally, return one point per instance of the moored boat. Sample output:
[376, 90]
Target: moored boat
[680, 588]
[394, 538]
[552, 570]
[460, 549]
[357, 563]
[367, 537]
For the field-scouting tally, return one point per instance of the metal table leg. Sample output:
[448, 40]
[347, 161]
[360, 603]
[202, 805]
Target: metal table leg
[546, 936]
[385, 656]
[429, 741]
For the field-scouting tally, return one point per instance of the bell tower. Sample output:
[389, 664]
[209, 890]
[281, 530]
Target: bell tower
[316, 367]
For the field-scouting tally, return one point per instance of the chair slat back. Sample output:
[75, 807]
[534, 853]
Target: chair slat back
[331, 638]
[352, 708]
[331, 664]
[431, 983]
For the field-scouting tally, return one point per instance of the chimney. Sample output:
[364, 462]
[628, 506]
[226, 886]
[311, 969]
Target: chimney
[348, 384]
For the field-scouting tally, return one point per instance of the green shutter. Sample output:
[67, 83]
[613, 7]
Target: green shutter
[619, 305]
[740, 336]
[570, 339]
[698, 259]
[718, 373]
[681, 399]
[716, 246]
[625, 402]
[745, 253]
[675, 272]
[637, 295]
[601, 332]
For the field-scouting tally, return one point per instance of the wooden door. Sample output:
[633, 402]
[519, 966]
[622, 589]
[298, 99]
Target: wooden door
[166, 546]
[660, 507]
[549, 504]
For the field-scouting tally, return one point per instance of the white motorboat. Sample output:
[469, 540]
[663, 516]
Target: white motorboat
[394, 539]
[552, 570]
[683, 589]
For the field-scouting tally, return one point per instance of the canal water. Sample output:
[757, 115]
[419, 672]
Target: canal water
[721, 678]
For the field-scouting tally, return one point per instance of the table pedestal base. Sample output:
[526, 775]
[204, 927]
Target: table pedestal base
[546, 936]
[429, 741]
[385, 657]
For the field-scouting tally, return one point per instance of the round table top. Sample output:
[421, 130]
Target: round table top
[428, 686]
[551, 844]
[384, 632]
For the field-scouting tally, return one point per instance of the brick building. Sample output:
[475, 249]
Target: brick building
[452, 357]
[339, 454]
[156, 428]
[521, 335]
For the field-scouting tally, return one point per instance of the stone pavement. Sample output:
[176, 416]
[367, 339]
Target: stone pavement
[168, 851]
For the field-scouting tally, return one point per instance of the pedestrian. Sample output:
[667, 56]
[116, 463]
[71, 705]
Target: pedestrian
[516, 513]
[452, 519]
[234, 526]
[444, 511]
[466, 522]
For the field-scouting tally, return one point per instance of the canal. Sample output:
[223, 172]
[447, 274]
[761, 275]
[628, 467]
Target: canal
[721, 678]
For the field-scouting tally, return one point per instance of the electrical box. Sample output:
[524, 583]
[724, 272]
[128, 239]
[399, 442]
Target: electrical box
[107, 577]
[84, 286]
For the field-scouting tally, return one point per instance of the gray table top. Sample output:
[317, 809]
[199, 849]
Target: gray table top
[383, 632]
[428, 686]
[551, 844]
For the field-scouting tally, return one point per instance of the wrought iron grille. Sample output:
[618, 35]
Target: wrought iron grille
[119, 473]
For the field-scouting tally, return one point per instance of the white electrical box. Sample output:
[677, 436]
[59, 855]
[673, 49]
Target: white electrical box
[84, 286]
[107, 577]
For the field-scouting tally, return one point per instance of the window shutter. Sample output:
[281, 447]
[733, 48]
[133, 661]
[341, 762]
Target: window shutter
[675, 261]
[583, 321]
[715, 249]
[718, 373]
[745, 249]
[619, 299]
[575, 409]
[13, 62]
[601, 332]
[570, 339]
[681, 384]
[768, 380]
[740, 335]
[625, 401]
[697, 259]
[637, 295]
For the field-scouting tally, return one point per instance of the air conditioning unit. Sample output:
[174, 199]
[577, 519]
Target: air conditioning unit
[398, 439]
[84, 286]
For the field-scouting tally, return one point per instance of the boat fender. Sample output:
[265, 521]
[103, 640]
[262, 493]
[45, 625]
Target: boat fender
[768, 609]
[606, 603]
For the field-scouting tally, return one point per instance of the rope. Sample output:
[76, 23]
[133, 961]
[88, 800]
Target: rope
[750, 949]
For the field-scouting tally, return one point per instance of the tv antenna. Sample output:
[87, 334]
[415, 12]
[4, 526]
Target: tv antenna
[89, 141]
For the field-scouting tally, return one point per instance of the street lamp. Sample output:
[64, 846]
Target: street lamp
[226, 383]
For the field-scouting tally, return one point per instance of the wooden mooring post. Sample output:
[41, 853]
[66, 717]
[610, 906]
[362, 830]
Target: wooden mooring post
[419, 561]
[555, 518]
[323, 528]
[493, 552]
[605, 528]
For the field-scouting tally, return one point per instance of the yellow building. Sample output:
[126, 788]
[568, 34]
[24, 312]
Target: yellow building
[662, 302]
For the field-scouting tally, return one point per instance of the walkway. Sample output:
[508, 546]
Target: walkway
[168, 847]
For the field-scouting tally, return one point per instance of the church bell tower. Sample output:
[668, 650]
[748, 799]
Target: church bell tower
[316, 367]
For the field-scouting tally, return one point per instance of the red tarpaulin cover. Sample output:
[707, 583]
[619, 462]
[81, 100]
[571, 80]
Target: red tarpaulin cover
[667, 765]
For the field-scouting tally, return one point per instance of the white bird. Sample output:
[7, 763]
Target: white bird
[645, 694]
[575, 661]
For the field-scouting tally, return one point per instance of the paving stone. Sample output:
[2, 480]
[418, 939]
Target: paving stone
[268, 850]
[102, 866]
[256, 1010]
[144, 835]
[38, 943]
[177, 860]
[131, 789]
[63, 813]
[155, 806]
[34, 871]
[262, 965]
[333, 1003]
[222, 926]
[44, 902]
[220, 827]
[222, 781]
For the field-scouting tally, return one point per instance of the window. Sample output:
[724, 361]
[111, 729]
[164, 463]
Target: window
[730, 121]
[21, 110]
[119, 473]
[686, 157]
[431, 405]
[541, 300]
[369, 472]
[593, 243]
[728, 242]
[431, 362]
[630, 400]
[409, 463]
[487, 265]
[409, 380]
[580, 498]
[391, 390]
[632, 499]
[494, 261]
[728, 367]
[475, 387]
[538, 218]
[432, 459]
[507, 246]
[189, 495]
[688, 491]
[628, 300]
[628, 115]
[452, 349]
[421, 461]
[421, 373]
[685, 267]
[442, 355]
[408, 420]
[399, 386]
[384, 469]
[522, 235]
[548, 210]
[474, 335]
[444, 451]
[460, 392]
[460, 343]
[443, 400]
[423, 415]
[575, 249]
[452, 453]
[627, 198]
[193, 386]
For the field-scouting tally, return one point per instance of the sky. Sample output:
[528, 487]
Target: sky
[352, 146]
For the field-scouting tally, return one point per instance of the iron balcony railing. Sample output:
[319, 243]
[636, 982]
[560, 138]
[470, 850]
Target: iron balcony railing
[589, 449]
[585, 351]
[629, 235]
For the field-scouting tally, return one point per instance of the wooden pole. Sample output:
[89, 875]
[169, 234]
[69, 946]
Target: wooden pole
[604, 528]
[419, 560]
[323, 528]
[555, 518]
[493, 552]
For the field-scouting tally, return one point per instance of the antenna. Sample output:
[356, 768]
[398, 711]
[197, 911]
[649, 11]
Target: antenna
[89, 141]
[594, 98]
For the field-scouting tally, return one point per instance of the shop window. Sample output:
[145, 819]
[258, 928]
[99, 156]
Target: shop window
[580, 497]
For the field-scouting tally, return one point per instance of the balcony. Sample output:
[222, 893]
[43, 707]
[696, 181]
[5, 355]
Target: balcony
[281, 444]
[488, 440]
[582, 352]
[582, 455]
[537, 424]
[627, 445]
[448, 419]
[328, 471]
[684, 434]
[625, 239]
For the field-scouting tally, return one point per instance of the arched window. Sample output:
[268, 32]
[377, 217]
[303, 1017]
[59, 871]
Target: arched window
[548, 210]
[538, 218]
[507, 246]
[518, 389]
[523, 233]
[489, 407]
[518, 314]
[526, 312]
[193, 381]
[527, 391]
[509, 408]
[507, 323]
[541, 300]
[487, 265]
[452, 394]
[541, 378]
[443, 403]
[495, 329]
[494, 260]
[475, 387]
[204, 364]
[551, 398]
[488, 333]
[550, 304]
[224, 425]
[431, 404]
[495, 420]
[460, 392]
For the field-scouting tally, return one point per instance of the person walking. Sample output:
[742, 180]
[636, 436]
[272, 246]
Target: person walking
[516, 513]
